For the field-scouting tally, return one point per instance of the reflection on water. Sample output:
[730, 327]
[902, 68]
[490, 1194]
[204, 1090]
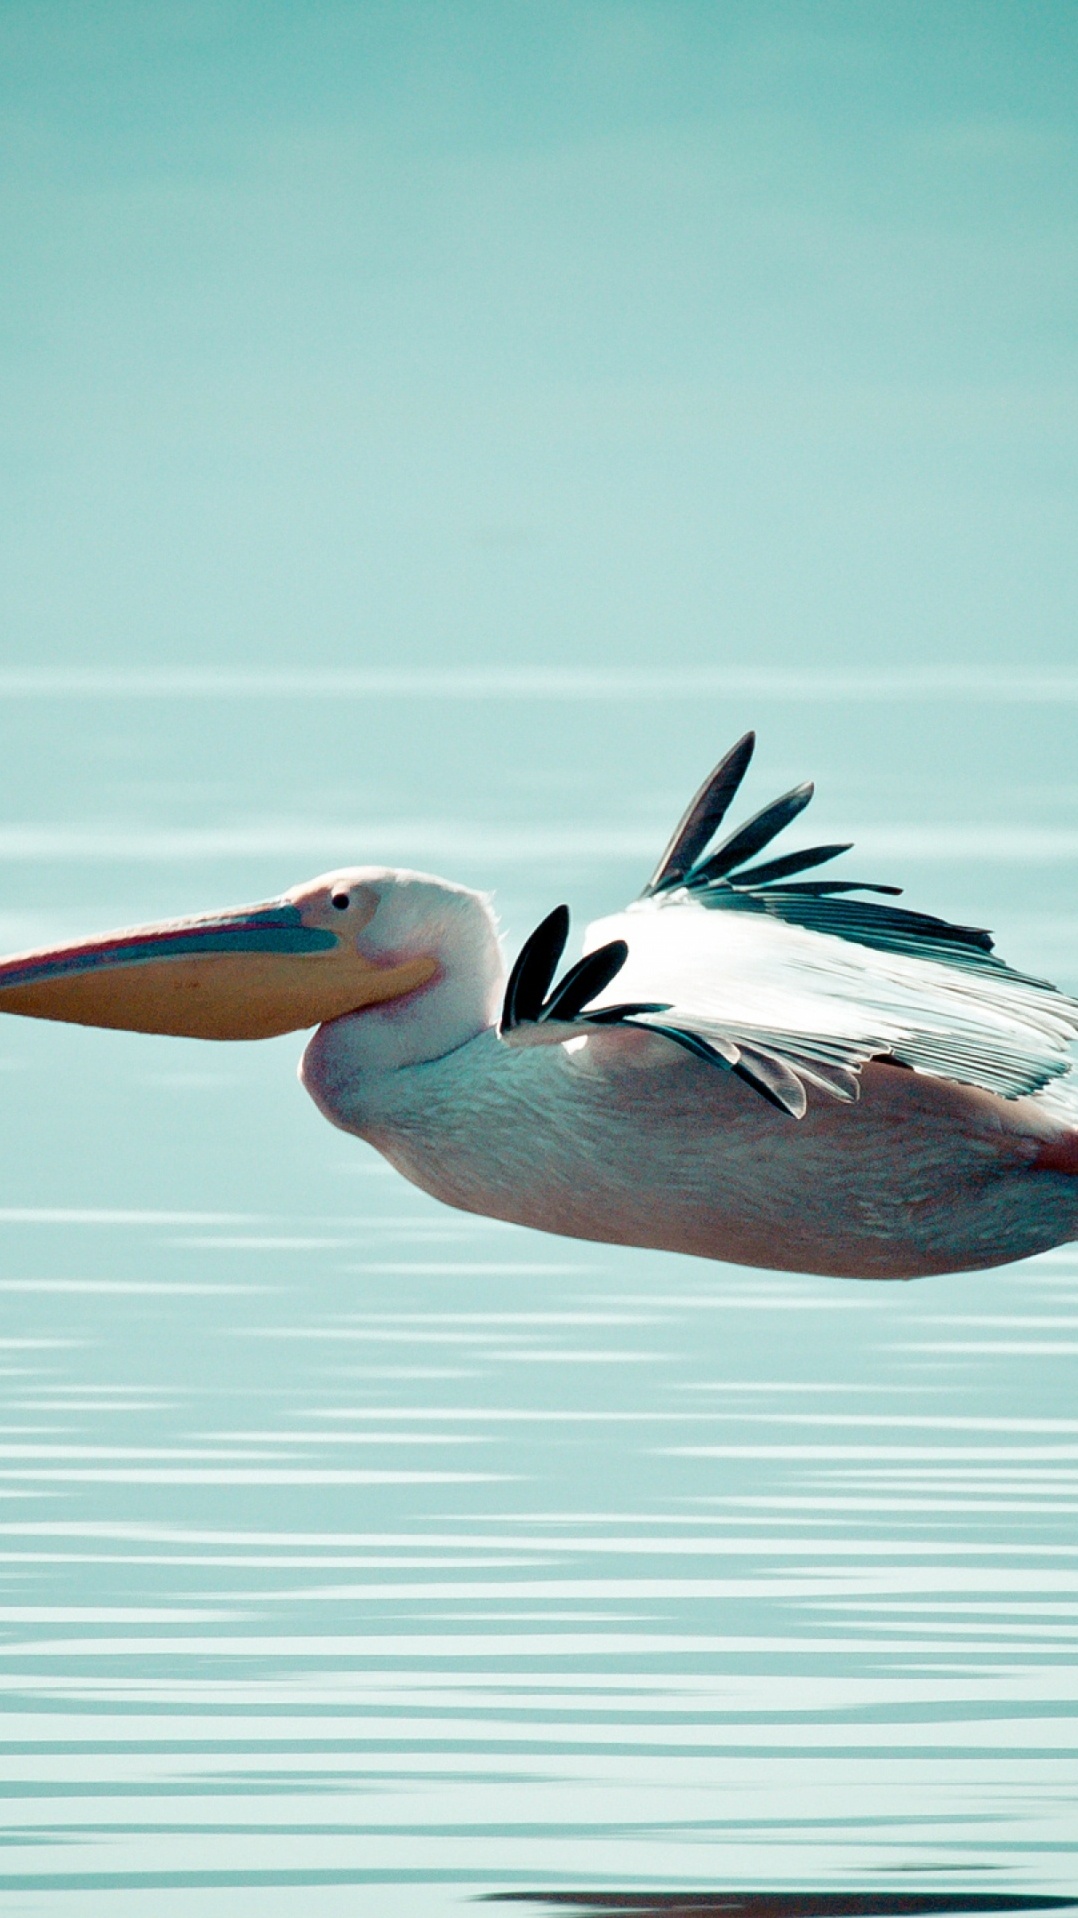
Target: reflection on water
[353, 1543]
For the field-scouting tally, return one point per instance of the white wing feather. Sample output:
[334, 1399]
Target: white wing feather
[810, 997]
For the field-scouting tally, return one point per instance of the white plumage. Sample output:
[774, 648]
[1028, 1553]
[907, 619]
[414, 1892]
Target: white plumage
[815, 999]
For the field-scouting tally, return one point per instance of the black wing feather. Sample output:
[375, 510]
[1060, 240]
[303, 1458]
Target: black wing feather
[885, 928]
[536, 964]
[701, 822]
[820, 888]
[756, 833]
[586, 980]
[786, 867]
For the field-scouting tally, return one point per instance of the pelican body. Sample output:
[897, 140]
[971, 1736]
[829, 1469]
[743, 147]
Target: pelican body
[626, 1144]
[741, 1068]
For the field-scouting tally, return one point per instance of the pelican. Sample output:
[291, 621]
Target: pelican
[744, 1065]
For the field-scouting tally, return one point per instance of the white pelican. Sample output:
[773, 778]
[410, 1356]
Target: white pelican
[745, 1065]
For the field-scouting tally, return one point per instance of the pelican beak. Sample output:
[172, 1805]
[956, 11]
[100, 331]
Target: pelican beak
[248, 974]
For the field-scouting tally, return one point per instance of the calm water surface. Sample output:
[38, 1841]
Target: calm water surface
[361, 1555]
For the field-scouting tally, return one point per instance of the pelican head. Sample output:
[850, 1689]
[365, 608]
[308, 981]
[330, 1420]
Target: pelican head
[364, 939]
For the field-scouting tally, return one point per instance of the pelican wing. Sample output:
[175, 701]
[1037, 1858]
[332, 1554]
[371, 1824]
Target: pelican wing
[803, 983]
[823, 1003]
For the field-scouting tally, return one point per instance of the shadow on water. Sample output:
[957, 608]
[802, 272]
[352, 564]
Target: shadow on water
[785, 1904]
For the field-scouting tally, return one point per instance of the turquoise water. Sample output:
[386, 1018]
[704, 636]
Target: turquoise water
[433, 433]
[362, 1555]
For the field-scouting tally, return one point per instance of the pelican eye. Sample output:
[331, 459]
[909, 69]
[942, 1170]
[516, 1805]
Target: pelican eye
[342, 900]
